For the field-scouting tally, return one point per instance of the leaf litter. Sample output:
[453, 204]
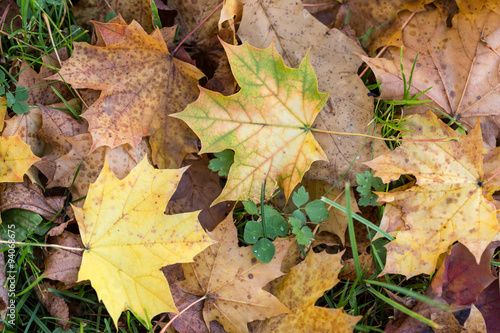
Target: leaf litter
[127, 127]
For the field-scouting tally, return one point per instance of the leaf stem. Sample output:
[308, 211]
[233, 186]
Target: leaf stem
[43, 245]
[199, 25]
[164, 329]
[385, 139]
[493, 176]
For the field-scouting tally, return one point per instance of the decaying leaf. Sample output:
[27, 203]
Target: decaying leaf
[15, 159]
[449, 202]
[472, 8]
[55, 304]
[30, 197]
[40, 90]
[97, 10]
[197, 189]
[190, 14]
[127, 239]
[349, 107]
[136, 98]
[231, 278]
[267, 123]
[57, 126]
[300, 289]
[457, 62]
[26, 127]
[377, 21]
[121, 160]
[61, 264]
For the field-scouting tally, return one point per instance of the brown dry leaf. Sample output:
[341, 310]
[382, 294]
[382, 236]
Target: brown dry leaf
[475, 323]
[191, 321]
[40, 90]
[191, 14]
[136, 99]
[198, 188]
[449, 202]
[379, 16]
[121, 160]
[297, 32]
[300, 289]
[97, 10]
[26, 127]
[336, 223]
[56, 305]
[63, 265]
[461, 69]
[57, 126]
[30, 197]
[472, 8]
[231, 278]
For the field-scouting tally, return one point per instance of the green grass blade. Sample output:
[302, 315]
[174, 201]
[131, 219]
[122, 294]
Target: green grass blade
[350, 228]
[417, 296]
[403, 309]
[357, 217]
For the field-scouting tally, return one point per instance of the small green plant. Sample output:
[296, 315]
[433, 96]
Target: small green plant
[368, 183]
[222, 162]
[271, 224]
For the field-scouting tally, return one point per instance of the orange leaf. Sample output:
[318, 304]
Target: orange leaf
[141, 84]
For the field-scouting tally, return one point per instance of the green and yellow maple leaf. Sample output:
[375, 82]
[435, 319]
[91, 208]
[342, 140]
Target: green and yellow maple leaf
[267, 123]
[127, 239]
[450, 202]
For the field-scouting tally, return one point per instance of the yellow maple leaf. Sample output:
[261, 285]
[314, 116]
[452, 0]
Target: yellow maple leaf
[449, 202]
[16, 158]
[300, 290]
[127, 239]
[267, 123]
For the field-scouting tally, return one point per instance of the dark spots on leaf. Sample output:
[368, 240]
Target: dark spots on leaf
[250, 276]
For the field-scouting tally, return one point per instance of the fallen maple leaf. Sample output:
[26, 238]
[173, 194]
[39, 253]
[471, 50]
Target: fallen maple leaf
[376, 22]
[231, 278]
[190, 15]
[15, 159]
[121, 160]
[457, 62]
[127, 239]
[30, 197]
[459, 281]
[26, 126]
[349, 107]
[197, 189]
[450, 202]
[139, 10]
[472, 8]
[300, 290]
[267, 123]
[141, 84]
